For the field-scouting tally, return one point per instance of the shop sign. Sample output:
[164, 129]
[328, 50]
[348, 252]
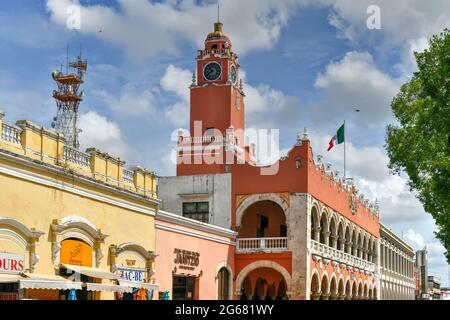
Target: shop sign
[7, 296]
[186, 260]
[133, 275]
[76, 252]
[12, 263]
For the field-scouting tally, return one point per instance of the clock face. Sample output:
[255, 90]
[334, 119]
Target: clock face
[233, 74]
[212, 71]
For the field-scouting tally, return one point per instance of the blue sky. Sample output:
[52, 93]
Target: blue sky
[306, 63]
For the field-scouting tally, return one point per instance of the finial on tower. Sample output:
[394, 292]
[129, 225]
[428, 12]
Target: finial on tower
[218, 25]
[218, 11]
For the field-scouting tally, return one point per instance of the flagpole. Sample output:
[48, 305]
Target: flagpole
[345, 147]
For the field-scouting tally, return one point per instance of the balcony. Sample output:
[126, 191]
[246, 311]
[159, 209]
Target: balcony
[11, 133]
[336, 255]
[76, 156]
[263, 245]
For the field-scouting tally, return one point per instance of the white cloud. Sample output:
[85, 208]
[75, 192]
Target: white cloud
[401, 20]
[129, 103]
[415, 239]
[177, 81]
[356, 83]
[105, 135]
[145, 28]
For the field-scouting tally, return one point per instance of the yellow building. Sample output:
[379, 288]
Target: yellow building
[71, 219]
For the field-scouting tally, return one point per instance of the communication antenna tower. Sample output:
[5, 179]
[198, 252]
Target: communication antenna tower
[68, 97]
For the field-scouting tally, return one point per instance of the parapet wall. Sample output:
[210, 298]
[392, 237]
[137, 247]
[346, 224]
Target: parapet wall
[39, 143]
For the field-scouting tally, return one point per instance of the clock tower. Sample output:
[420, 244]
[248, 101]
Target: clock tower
[217, 98]
[217, 110]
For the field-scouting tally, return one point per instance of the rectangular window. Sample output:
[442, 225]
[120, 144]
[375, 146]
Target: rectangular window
[196, 210]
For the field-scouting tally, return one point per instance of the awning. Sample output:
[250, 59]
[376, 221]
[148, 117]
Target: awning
[47, 281]
[148, 286]
[92, 272]
[9, 278]
[107, 287]
[40, 281]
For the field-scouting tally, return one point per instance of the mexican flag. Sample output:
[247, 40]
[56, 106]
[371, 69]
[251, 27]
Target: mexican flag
[338, 138]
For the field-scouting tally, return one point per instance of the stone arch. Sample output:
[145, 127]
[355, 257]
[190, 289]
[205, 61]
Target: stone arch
[354, 241]
[348, 289]
[360, 243]
[324, 227]
[341, 288]
[333, 287]
[360, 290]
[354, 290]
[21, 237]
[76, 227]
[374, 250]
[315, 222]
[348, 239]
[249, 201]
[366, 291]
[333, 231]
[341, 234]
[325, 286]
[260, 287]
[262, 264]
[315, 289]
[135, 249]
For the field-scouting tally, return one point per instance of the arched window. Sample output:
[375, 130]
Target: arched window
[223, 284]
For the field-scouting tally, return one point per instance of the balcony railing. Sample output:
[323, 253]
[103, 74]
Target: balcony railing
[11, 133]
[247, 245]
[334, 254]
[201, 140]
[76, 156]
[128, 176]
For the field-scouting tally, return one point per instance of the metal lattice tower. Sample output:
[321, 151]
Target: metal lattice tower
[68, 98]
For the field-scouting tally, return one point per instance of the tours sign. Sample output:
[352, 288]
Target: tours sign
[12, 263]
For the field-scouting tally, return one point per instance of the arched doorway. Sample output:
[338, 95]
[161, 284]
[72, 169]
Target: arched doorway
[263, 284]
[223, 280]
[263, 228]
[315, 287]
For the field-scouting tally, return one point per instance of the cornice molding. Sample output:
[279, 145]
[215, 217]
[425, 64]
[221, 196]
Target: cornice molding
[62, 186]
[190, 223]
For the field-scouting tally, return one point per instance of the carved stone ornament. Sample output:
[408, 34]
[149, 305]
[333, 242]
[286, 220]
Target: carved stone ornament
[352, 203]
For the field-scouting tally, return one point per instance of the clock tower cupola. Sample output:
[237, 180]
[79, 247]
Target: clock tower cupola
[217, 97]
